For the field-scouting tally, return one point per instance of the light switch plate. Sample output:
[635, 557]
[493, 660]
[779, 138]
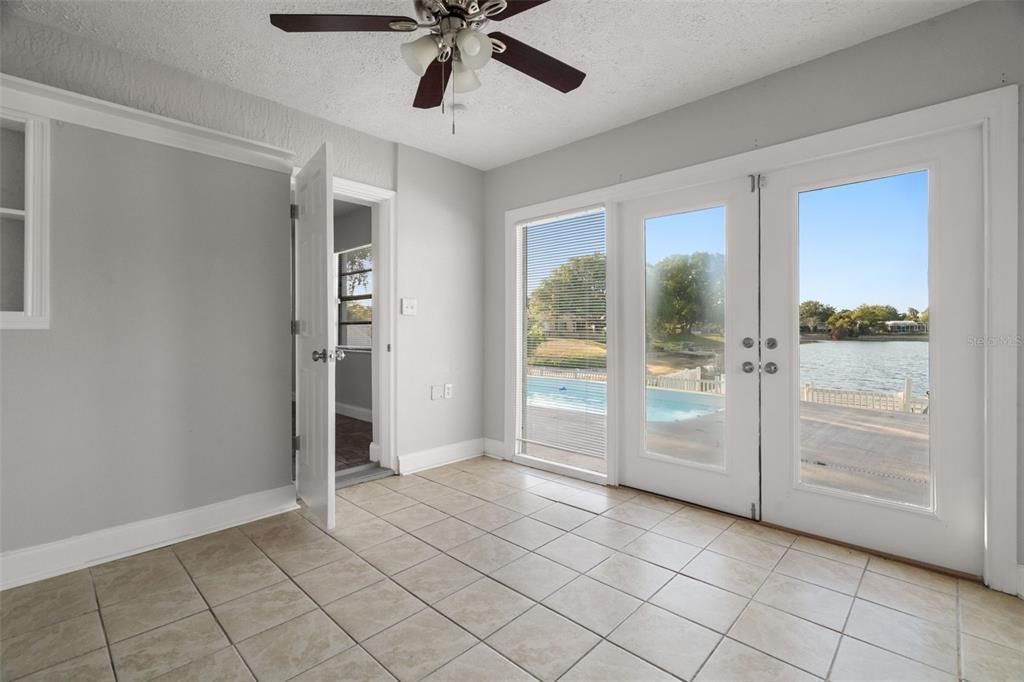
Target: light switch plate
[408, 306]
[436, 392]
[447, 391]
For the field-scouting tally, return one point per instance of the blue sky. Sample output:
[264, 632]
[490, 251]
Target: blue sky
[866, 242]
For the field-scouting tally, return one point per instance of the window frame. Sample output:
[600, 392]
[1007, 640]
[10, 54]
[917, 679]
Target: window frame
[343, 299]
[36, 218]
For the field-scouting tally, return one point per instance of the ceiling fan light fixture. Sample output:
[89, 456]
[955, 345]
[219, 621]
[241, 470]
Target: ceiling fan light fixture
[464, 78]
[474, 47]
[419, 53]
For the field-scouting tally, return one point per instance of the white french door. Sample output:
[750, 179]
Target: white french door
[876, 439]
[316, 337]
[689, 335]
[799, 349]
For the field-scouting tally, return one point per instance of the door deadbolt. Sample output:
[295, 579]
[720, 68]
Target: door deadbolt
[748, 342]
[771, 367]
[771, 343]
[319, 355]
[748, 367]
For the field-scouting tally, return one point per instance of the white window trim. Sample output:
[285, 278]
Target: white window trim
[36, 313]
[997, 112]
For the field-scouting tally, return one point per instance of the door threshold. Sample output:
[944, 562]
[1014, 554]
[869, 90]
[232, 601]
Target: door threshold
[361, 473]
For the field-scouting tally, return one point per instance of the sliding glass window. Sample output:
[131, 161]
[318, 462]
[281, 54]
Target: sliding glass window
[562, 361]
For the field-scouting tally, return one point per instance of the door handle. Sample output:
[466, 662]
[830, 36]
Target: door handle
[748, 367]
[771, 367]
[319, 355]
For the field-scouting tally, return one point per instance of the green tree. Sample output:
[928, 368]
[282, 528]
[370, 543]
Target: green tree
[913, 314]
[923, 316]
[872, 318]
[686, 290]
[571, 302]
[814, 314]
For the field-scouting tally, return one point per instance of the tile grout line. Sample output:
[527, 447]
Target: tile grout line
[213, 614]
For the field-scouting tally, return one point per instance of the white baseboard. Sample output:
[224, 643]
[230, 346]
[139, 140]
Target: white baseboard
[29, 564]
[495, 448]
[434, 457]
[354, 411]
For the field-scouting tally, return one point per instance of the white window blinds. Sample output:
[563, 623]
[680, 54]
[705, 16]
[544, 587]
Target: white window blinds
[563, 361]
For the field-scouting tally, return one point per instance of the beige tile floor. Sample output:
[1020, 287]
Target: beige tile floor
[488, 571]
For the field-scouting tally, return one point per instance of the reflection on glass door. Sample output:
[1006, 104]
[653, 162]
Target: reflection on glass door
[685, 343]
[863, 319]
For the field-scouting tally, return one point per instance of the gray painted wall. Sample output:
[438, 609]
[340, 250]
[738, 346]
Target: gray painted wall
[47, 55]
[353, 376]
[440, 244]
[162, 383]
[977, 48]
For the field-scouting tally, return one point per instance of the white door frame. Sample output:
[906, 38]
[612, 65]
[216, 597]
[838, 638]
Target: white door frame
[384, 351]
[998, 112]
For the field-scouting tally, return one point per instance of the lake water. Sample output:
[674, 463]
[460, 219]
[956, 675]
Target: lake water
[878, 366]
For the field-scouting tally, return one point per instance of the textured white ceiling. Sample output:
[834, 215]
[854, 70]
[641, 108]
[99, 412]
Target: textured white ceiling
[641, 57]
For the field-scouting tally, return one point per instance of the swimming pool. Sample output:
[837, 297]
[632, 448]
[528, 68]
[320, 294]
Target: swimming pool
[591, 397]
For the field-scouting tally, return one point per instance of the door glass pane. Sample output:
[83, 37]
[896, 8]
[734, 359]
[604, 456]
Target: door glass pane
[863, 317]
[564, 368]
[685, 350]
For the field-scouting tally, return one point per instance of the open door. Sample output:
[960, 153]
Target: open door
[315, 339]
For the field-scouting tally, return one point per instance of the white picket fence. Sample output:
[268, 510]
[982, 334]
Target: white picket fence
[690, 380]
[900, 401]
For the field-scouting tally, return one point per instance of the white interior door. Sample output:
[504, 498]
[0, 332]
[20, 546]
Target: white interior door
[876, 440]
[316, 311]
[689, 344]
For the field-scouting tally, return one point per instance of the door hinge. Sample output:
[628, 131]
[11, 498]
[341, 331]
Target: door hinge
[296, 327]
[762, 181]
[389, 347]
[753, 182]
[296, 443]
[295, 211]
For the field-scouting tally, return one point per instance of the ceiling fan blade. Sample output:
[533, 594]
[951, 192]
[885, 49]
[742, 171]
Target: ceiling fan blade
[298, 23]
[432, 86]
[517, 7]
[538, 65]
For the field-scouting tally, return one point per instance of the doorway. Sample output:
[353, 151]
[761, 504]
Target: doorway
[813, 346]
[794, 348]
[353, 369]
[342, 308]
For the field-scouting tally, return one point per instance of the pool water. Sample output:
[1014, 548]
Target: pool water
[591, 397]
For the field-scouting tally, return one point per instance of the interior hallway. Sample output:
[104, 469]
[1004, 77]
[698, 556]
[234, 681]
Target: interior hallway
[486, 570]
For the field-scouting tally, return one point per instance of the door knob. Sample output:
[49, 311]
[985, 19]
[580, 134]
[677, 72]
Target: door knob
[319, 355]
[771, 367]
[771, 343]
[748, 342]
[748, 367]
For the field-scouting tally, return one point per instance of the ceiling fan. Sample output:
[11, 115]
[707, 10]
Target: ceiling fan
[455, 47]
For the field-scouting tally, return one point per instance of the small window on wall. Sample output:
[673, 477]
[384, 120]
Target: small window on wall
[24, 222]
[355, 298]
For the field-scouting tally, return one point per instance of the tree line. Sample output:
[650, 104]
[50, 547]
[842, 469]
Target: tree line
[863, 320]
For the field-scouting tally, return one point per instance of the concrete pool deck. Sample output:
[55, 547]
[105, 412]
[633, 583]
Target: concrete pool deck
[872, 452]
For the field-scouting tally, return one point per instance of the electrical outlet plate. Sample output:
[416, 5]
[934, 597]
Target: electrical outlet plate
[436, 392]
[408, 306]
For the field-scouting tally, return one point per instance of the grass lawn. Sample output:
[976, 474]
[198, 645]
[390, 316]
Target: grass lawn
[570, 353]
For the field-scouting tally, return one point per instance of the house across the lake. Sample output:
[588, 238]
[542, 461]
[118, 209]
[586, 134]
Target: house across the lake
[906, 327]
